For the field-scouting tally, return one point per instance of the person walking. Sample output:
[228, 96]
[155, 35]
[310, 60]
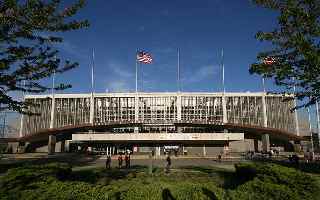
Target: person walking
[168, 164]
[120, 160]
[108, 162]
[127, 160]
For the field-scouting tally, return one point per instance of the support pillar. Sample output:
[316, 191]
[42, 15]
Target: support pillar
[226, 148]
[62, 147]
[264, 110]
[52, 144]
[204, 151]
[178, 107]
[224, 112]
[136, 129]
[67, 146]
[265, 143]
[256, 145]
[158, 152]
[136, 113]
[52, 114]
[224, 109]
[92, 108]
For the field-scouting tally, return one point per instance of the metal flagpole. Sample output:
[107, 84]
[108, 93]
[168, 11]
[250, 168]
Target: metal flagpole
[136, 71]
[92, 91]
[222, 64]
[263, 85]
[178, 71]
[92, 73]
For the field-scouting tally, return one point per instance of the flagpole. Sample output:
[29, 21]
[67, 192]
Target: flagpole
[136, 72]
[178, 84]
[92, 73]
[92, 91]
[263, 84]
[222, 64]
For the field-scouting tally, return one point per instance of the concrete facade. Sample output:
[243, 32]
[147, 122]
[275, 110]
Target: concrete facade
[158, 113]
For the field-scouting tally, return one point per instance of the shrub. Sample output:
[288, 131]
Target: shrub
[270, 181]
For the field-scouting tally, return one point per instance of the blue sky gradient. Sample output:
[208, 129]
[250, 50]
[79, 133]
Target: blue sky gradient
[200, 29]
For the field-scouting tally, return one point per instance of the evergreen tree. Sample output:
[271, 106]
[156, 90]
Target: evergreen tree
[294, 59]
[27, 46]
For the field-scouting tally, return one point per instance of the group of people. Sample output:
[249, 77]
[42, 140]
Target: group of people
[127, 160]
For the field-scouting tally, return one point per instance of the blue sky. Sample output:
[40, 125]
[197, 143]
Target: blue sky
[200, 29]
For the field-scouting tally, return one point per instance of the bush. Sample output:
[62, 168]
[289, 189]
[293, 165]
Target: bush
[57, 181]
[270, 181]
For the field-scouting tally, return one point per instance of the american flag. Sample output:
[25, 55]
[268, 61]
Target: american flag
[144, 57]
[269, 60]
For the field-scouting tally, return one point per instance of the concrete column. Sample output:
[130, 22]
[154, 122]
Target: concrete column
[265, 143]
[224, 109]
[136, 112]
[204, 151]
[52, 114]
[296, 119]
[63, 145]
[178, 107]
[67, 145]
[21, 125]
[92, 108]
[179, 129]
[136, 130]
[256, 145]
[264, 110]
[226, 148]
[51, 144]
[136, 108]
[158, 152]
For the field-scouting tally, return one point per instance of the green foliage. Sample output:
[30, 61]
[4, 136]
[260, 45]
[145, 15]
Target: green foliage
[46, 182]
[296, 47]
[57, 181]
[270, 181]
[27, 53]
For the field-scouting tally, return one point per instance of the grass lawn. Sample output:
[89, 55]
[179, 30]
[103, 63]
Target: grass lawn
[248, 181]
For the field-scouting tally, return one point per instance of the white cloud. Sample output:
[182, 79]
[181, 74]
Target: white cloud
[120, 79]
[118, 86]
[202, 73]
[119, 70]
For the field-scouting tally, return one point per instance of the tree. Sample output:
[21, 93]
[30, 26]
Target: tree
[27, 51]
[295, 48]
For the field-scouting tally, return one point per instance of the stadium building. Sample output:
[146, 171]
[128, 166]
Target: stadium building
[190, 122]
